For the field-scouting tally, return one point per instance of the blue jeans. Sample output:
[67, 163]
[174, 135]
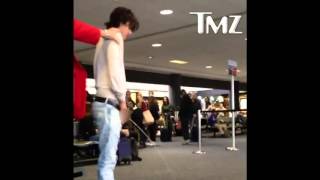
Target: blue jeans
[108, 121]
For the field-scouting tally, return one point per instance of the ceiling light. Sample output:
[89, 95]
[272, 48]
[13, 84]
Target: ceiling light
[150, 57]
[208, 67]
[166, 12]
[178, 61]
[245, 38]
[156, 45]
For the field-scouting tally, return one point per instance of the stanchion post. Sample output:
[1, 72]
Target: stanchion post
[233, 148]
[199, 135]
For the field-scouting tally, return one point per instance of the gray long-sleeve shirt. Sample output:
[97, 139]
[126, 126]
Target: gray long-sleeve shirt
[109, 70]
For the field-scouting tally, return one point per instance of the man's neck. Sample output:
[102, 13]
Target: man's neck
[117, 29]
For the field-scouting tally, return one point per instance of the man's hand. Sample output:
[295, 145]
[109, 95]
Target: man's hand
[110, 34]
[124, 114]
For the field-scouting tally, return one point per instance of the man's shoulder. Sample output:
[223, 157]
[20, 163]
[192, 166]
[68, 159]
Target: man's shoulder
[119, 40]
[107, 44]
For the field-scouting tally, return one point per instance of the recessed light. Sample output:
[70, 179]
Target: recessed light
[208, 67]
[178, 61]
[150, 57]
[156, 45]
[245, 38]
[166, 12]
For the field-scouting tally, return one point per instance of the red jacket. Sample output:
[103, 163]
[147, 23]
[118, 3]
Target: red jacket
[85, 33]
[89, 34]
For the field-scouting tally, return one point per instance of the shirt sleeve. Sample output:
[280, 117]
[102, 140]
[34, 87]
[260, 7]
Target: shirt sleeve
[85, 33]
[116, 70]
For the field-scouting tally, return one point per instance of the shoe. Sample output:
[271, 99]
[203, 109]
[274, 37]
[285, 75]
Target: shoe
[137, 158]
[152, 143]
[186, 142]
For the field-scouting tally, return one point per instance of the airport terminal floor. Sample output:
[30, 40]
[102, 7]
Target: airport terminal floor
[174, 161]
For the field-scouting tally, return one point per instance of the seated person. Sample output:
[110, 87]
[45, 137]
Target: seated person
[240, 119]
[137, 117]
[212, 120]
[129, 131]
[211, 107]
[221, 125]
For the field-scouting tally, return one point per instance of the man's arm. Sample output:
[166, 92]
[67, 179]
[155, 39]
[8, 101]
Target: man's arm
[116, 70]
[117, 74]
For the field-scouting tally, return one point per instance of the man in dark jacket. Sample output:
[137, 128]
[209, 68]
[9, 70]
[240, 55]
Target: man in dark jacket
[185, 115]
[196, 103]
[194, 123]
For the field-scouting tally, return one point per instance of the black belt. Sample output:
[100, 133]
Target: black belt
[111, 102]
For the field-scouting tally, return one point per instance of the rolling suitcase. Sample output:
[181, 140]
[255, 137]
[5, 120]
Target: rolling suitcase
[124, 151]
[165, 135]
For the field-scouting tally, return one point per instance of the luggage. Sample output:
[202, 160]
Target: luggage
[165, 135]
[124, 151]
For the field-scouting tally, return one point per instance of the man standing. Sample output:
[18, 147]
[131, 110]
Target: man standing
[194, 123]
[109, 108]
[185, 115]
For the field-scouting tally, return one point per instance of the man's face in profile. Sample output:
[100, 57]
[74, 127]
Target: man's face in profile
[125, 30]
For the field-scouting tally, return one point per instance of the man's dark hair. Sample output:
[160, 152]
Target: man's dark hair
[122, 15]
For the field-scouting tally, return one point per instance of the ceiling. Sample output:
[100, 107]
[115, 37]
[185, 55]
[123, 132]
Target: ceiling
[177, 33]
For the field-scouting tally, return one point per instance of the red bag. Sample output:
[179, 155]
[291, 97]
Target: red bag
[79, 90]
